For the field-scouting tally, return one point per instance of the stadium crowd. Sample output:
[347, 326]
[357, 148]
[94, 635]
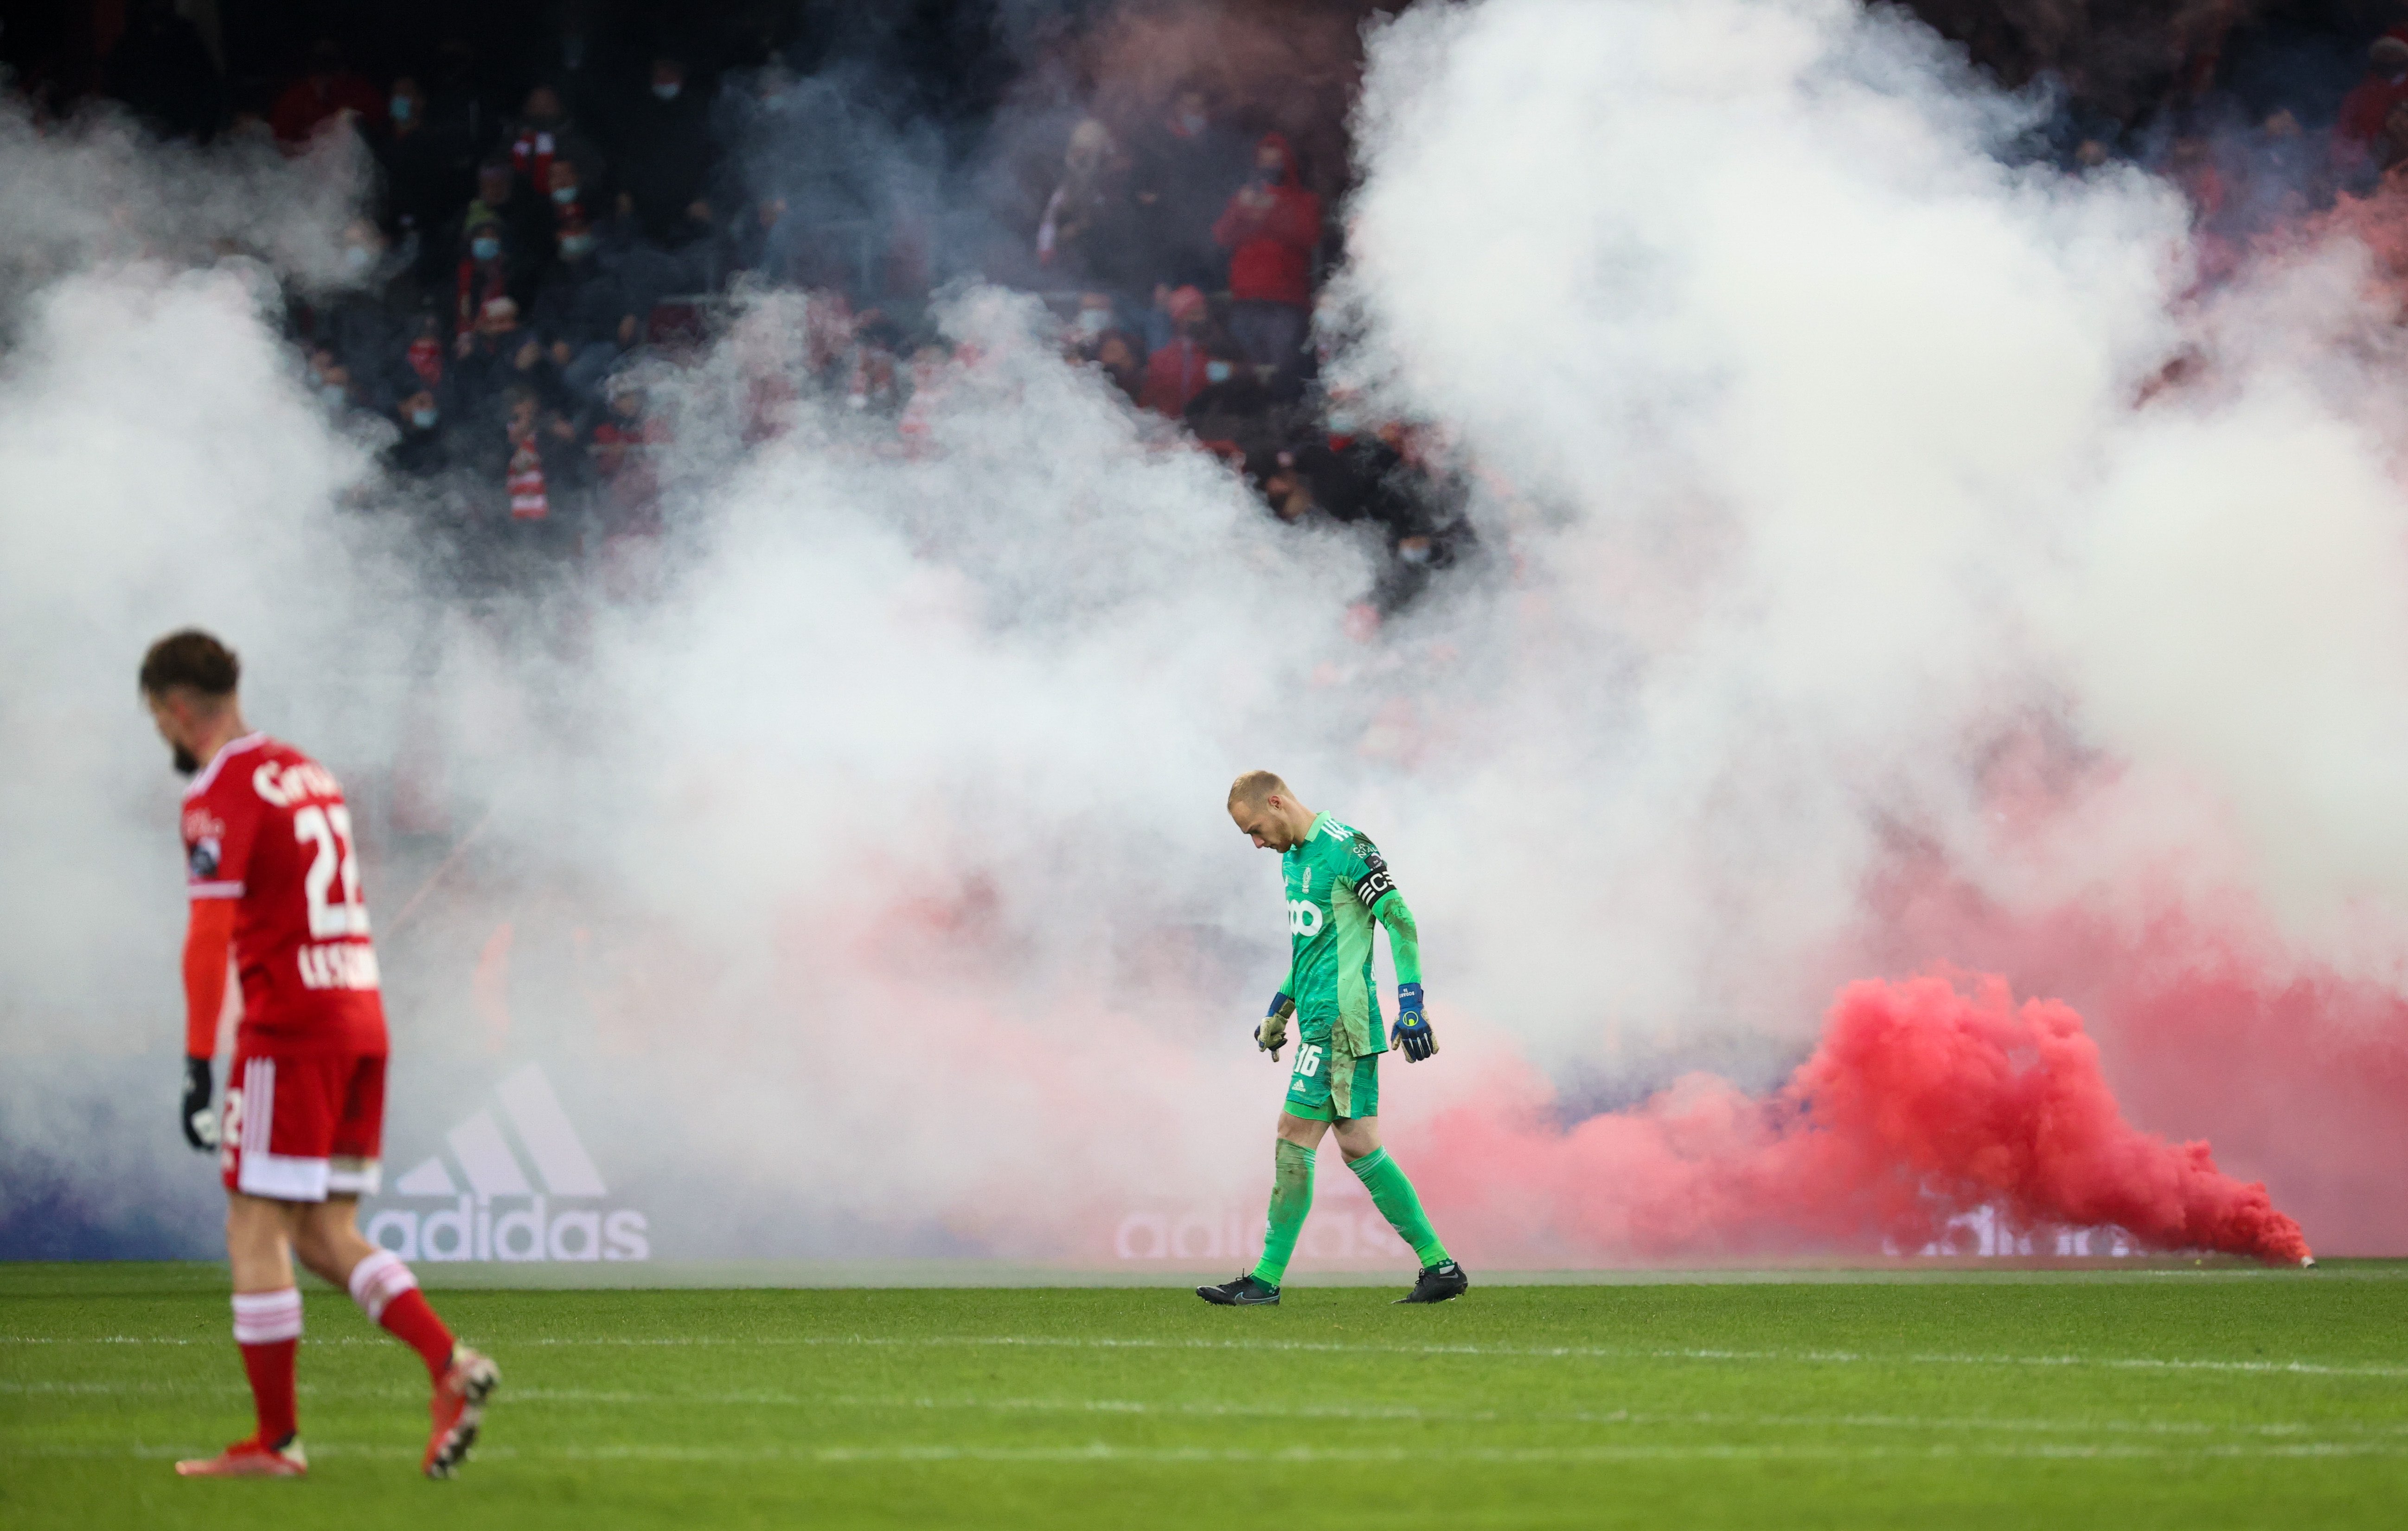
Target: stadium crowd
[529, 258]
[533, 253]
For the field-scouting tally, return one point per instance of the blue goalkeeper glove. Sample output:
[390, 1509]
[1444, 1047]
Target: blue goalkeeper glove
[1412, 1032]
[1271, 1035]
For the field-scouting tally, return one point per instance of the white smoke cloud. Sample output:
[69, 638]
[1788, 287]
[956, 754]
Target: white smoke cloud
[1745, 286]
[882, 858]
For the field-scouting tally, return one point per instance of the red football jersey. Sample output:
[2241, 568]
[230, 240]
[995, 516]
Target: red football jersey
[266, 824]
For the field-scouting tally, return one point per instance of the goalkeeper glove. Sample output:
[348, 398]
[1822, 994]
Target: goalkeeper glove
[200, 1122]
[1411, 1031]
[1271, 1035]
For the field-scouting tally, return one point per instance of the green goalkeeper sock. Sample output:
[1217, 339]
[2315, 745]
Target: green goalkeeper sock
[1291, 1199]
[1393, 1194]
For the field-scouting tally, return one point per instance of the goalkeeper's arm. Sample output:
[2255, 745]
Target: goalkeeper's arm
[1411, 1032]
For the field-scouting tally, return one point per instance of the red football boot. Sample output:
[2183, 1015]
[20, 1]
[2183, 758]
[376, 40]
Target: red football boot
[252, 1458]
[458, 1409]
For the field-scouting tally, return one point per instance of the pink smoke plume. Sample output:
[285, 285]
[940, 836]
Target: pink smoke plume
[1926, 1098]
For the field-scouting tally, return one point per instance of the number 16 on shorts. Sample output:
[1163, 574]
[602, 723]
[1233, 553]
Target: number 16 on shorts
[1308, 1061]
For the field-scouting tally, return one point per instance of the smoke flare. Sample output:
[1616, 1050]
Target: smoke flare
[1927, 1099]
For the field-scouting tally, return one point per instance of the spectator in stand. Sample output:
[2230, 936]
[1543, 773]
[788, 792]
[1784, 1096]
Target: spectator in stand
[521, 471]
[422, 449]
[582, 316]
[485, 273]
[163, 71]
[1117, 354]
[1090, 234]
[422, 366]
[545, 138]
[328, 89]
[362, 325]
[872, 373]
[1233, 409]
[621, 445]
[1270, 229]
[525, 223]
[1181, 176]
[1284, 486]
[420, 190]
[669, 156]
[2368, 108]
[1175, 374]
[496, 357]
[1088, 326]
[569, 198]
[333, 381]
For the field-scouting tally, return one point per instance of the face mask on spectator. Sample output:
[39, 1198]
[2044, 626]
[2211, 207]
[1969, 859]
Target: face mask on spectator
[402, 107]
[1344, 423]
[1217, 372]
[485, 250]
[576, 247]
[335, 395]
[358, 257]
[424, 419]
[1194, 122]
[564, 195]
[666, 89]
[1414, 550]
[1094, 320]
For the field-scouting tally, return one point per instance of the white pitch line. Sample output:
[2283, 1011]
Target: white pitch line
[1576, 1353]
[752, 1398]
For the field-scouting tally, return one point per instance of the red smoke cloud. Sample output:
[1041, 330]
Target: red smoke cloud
[1925, 1100]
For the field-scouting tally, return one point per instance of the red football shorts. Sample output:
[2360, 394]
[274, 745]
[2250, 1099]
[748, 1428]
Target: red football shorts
[305, 1127]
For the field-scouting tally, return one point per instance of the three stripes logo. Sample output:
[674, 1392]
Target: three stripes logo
[493, 1209]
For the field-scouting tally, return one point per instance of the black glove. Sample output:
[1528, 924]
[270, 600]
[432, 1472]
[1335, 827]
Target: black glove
[200, 1122]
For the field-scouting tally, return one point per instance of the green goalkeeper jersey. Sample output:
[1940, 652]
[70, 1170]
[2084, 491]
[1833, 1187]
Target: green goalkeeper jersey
[1337, 887]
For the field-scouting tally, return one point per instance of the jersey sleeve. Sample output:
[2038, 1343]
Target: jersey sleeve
[1367, 873]
[218, 828]
[1375, 889]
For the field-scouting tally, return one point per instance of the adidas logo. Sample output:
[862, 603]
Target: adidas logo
[478, 1224]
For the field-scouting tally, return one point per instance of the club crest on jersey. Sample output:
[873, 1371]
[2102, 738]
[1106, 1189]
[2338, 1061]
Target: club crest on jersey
[207, 852]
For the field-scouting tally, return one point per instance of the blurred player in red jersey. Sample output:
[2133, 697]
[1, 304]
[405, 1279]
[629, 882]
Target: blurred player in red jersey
[275, 877]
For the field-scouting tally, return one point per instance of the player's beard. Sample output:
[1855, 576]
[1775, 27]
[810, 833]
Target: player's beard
[187, 763]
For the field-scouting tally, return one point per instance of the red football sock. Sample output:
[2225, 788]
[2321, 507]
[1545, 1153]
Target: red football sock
[270, 1366]
[408, 1318]
[387, 1293]
[267, 1326]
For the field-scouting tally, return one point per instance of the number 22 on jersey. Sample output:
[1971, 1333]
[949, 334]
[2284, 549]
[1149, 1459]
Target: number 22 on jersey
[329, 828]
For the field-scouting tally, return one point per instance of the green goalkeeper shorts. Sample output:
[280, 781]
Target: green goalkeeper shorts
[1325, 1088]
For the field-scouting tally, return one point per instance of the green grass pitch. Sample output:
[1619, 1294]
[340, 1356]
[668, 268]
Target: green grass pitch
[2169, 1396]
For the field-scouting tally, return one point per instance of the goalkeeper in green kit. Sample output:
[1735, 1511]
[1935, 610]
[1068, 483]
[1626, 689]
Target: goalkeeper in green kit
[1338, 888]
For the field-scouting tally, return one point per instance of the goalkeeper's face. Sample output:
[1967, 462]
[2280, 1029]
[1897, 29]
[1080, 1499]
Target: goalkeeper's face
[1265, 822]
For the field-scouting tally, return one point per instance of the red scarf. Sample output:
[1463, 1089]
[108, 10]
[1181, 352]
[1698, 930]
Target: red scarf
[532, 156]
[528, 501]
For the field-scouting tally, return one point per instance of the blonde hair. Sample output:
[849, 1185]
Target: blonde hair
[1254, 786]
